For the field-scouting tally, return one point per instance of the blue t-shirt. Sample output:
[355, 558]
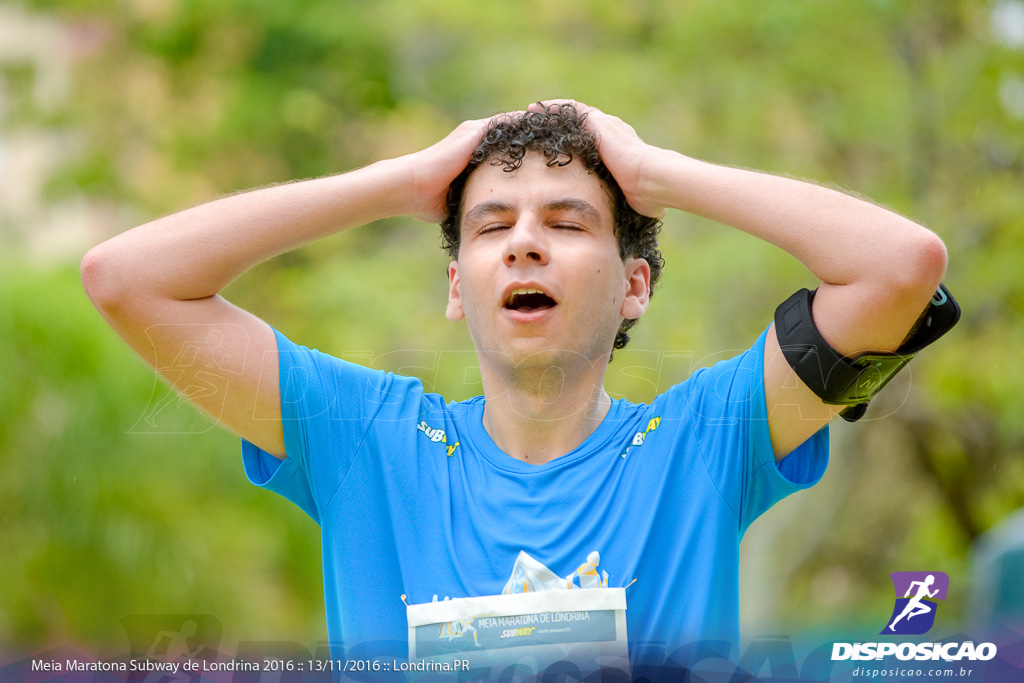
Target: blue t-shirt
[414, 498]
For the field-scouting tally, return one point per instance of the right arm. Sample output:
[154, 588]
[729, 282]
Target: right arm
[157, 285]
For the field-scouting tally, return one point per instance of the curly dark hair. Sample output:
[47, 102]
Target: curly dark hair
[559, 134]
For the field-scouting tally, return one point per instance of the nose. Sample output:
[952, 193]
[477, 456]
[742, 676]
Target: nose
[526, 244]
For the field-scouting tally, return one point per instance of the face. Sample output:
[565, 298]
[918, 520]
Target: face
[539, 279]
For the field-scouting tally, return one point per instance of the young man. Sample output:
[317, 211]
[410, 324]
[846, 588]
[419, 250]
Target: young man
[547, 215]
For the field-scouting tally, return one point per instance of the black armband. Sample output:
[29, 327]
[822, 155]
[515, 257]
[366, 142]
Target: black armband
[853, 382]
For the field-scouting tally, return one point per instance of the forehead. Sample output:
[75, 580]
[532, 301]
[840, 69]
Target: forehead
[535, 185]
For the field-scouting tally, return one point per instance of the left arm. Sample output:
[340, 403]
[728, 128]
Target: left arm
[878, 270]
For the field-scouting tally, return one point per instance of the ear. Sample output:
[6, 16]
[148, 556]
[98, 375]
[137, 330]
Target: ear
[454, 310]
[638, 288]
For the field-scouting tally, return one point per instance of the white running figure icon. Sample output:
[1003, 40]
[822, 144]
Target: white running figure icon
[916, 606]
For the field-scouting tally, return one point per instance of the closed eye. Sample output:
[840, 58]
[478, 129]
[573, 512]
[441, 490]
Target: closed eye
[493, 227]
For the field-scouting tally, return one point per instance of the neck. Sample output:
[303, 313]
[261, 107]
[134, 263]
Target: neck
[539, 415]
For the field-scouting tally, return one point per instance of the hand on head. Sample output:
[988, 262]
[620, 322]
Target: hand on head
[627, 157]
[433, 169]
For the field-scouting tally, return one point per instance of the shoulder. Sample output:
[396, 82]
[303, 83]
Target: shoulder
[315, 383]
[723, 381]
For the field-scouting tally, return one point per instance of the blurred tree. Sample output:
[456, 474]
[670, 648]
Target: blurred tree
[917, 104]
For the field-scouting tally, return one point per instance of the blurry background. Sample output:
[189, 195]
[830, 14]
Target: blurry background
[115, 500]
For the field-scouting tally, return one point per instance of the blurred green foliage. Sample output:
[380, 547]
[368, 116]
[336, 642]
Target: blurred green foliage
[173, 103]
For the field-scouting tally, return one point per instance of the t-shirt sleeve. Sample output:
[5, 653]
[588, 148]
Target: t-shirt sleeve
[730, 419]
[327, 406]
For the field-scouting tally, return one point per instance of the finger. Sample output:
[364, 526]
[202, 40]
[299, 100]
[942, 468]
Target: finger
[507, 114]
[476, 128]
[544, 105]
[472, 131]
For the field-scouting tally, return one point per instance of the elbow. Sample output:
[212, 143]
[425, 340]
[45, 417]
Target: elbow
[923, 264]
[934, 258]
[101, 278]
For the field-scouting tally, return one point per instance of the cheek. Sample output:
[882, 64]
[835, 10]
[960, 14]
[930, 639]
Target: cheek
[611, 277]
[471, 290]
[603, 287]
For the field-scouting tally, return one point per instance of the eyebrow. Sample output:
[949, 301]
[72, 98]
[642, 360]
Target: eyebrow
[575, 205]
[570, 204]
[486, 209]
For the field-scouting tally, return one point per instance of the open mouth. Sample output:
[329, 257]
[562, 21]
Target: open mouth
[528, 300]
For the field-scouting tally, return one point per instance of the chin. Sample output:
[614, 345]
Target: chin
[540, 355]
